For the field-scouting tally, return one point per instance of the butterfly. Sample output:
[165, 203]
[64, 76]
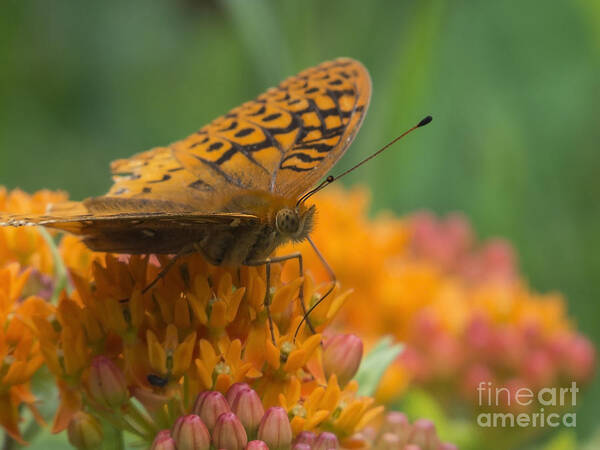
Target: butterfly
[235, 189]
[230, 190]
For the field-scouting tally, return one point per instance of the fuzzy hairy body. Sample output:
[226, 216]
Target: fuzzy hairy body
[220, 245]
[231, 240]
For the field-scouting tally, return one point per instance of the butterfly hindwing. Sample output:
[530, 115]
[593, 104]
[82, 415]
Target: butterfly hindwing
[142, 228]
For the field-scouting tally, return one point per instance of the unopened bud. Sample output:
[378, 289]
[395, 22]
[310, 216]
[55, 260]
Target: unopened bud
[275, 429]
[341, 356]
[209, 406]
[229, 432]
[326, 441]
[257, 445]
[190, 433]
[306, 437]
[106, 383]
[163, 441]
[234, 390]
[397, 423]
[389, 441]
[301, 447]
[249, 409]
[424, 434]
[85, 432]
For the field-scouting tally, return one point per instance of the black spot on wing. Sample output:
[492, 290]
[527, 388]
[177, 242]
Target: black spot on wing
[244, 132]
[215, 146]
[302, 157]
[271, 117]
[261, 110]
[203, 141]
[165, 177]
[202, 186]
[232, 126]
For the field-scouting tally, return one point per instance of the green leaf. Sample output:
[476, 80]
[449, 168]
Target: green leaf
[375, 364]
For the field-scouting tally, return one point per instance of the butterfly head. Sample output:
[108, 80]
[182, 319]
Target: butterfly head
[295, 223]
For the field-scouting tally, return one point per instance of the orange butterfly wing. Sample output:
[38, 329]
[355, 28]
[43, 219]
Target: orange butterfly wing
[282, 142]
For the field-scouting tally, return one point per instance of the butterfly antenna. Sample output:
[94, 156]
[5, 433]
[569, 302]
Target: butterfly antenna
[330, 179]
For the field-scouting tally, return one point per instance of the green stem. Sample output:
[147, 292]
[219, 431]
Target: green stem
[113, 438]
[9, 443]
[62, 279]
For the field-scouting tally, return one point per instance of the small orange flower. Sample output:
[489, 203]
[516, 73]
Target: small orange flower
[26, 245]
[20, 352]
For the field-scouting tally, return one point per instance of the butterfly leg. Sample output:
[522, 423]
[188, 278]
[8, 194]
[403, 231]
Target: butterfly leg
[164, 270]
[329, 291]
[267, 262]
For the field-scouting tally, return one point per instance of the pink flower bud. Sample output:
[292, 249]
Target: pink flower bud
[368, 434]
[209, 406]
[85, 432]
[424, 435]
[275, 429]
[447, 446]
[229, 432]
[341, 356]
[106, 384]
[581, 359]
[306, 437]
[397, 424]
[249, 409]
[326, 441]
[257, 445]
[234, 390]
[539, 369]
[389, 441]
[163, 441]
[190, 433]
[301, 447]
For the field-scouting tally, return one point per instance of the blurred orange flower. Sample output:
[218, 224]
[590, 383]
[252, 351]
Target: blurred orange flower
[460, 306]
[26, 245]
[20, 354]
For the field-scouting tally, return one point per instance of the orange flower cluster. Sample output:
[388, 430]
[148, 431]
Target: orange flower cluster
[26, 266]
[26, 245]
[461, 308]
[201, 328]
[139, 360]
[20, 353]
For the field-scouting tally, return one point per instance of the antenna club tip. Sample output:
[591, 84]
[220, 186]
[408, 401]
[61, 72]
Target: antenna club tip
[425, 121]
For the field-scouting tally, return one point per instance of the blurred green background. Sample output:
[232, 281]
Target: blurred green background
[514, 88]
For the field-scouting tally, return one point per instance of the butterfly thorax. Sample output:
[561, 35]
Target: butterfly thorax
[278, 221]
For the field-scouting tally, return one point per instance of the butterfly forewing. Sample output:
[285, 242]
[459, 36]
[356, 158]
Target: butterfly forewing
[283, 142]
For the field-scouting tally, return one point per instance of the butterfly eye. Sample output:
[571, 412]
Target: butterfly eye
[287, 221]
